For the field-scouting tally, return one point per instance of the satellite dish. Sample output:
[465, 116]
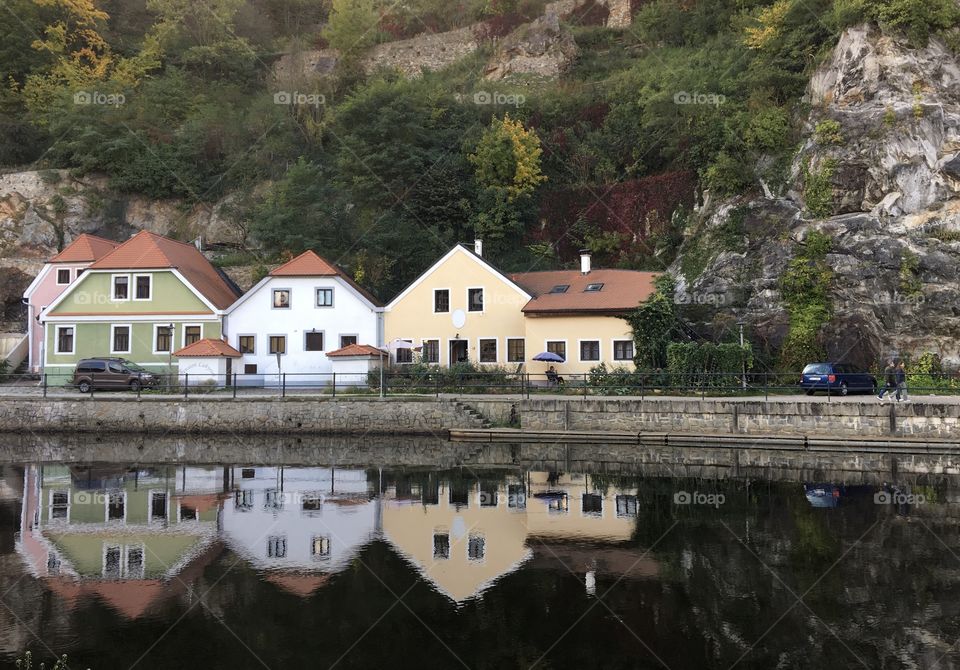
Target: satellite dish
[459, 318]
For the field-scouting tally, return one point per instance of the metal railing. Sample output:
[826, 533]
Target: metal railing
[398, 382]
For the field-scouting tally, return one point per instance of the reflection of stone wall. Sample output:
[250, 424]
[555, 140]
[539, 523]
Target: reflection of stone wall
[846, 419]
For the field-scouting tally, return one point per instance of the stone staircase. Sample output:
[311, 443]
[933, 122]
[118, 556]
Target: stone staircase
[473, 413]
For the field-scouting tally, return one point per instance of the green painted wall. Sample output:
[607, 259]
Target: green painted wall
[93, 293]
[85, 551]
[88, 506]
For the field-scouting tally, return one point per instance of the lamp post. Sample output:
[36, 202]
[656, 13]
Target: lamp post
[743, 360]
[170, 351]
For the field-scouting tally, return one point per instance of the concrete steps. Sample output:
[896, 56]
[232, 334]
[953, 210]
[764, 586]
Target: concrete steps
[474, 413]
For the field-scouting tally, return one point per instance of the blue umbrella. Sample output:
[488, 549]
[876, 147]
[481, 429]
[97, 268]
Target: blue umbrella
[549, 357]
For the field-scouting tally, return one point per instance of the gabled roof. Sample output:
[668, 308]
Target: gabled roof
[357, 350]
[461, 248]
[149, 251]
[207, 348]
[85, 248]
[307, 264]
[621, 290]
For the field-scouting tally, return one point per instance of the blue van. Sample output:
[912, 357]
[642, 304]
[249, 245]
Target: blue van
[837, 378]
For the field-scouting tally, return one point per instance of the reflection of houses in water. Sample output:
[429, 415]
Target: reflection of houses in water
[124, 536]
[299, 524]
[463, 535]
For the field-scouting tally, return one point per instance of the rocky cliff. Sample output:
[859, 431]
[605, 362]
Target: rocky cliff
[877, 173]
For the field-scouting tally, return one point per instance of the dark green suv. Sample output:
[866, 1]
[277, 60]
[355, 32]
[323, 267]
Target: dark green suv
[93, 374]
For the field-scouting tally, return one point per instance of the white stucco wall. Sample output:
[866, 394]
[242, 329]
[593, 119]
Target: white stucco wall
[203, 371]
[353, 370]
[255, 315]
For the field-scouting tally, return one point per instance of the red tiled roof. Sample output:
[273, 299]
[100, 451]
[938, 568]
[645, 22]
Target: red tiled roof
[309, 264]
[85, 248]
[358, 350]
[622, 291]
[207, 348]
[298, 584]
[149, 251]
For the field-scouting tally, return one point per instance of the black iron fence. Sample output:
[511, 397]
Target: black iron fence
[439, 382]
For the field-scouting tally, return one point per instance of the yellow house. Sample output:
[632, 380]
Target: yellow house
[461, 309]
[464, 309]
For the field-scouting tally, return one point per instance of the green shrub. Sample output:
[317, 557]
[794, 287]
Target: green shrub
[805, 287]
[817, 188]
[828, 132]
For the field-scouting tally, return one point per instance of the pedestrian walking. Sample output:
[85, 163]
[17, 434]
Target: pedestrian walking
[902, 383]
[889, 379]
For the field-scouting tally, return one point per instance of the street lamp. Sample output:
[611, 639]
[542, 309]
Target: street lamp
[170, 351]
[743, 359]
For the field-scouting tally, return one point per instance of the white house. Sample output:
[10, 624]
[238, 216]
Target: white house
[294, 316]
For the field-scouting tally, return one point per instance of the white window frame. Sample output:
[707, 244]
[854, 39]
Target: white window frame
[63, 283]
[316, 298]
[56, 338]
[566, 348]
[314, 331]
[613, 349]
[496, 344]
[423, 342]
[113, 330]
[173, 337]
[133, 287]
[483, 300]
[113, 288]
[514, 339]
[150, 494]
[286, 343]
[247, 353]
[399, 349]
[599, 357]
[433, 307]
[50, 505]
[273, 292]
[106, 507]
[183, 331]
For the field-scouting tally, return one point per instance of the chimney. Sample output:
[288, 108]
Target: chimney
[478, 248]
[584, 261]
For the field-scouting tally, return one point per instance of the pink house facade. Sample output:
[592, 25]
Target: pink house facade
[57, 274]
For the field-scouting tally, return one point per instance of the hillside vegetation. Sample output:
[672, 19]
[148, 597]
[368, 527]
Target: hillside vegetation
[382, 173]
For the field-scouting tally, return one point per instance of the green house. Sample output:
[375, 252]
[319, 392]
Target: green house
[143, 301]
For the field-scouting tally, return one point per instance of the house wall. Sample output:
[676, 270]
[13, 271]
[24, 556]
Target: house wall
[43, 294]
[94, 339]
[573, 330]
[350, 315]
[199, 371]
[93, 295]
[412, 316]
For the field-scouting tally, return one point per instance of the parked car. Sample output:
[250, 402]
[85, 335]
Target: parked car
[111, 373]
[838, 378]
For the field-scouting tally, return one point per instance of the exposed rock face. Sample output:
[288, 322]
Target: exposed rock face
[541, 48]
[896, 198]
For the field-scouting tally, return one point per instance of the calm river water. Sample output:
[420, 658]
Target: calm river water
[511, 565]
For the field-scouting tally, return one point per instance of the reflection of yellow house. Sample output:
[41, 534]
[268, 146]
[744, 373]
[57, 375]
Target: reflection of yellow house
[122, 539]
[465, 309]
[572, 508]
[463, 546]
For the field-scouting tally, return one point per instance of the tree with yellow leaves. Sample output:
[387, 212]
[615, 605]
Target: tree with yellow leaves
[771, 20]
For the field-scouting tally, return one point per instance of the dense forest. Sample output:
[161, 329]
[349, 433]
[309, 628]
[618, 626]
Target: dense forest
[382, 172]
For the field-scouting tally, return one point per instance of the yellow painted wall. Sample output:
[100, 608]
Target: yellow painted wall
[573, 329]
[573, 523]
[412, 317]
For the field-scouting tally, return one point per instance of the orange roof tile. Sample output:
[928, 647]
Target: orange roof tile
[310, 264]
[622, 290]
[207, 348]
[357, 350]
[298, 584]
[149, 251]
[85, 248]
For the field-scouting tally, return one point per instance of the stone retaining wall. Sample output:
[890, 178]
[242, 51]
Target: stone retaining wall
[239, 417]
[746, 417]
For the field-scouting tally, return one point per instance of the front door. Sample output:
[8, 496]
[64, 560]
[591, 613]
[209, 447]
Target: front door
[458, 351]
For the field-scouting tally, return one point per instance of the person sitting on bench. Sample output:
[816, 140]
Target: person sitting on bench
[553, 377]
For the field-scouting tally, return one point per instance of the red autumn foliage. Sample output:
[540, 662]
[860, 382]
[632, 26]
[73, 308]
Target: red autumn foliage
[634, 209]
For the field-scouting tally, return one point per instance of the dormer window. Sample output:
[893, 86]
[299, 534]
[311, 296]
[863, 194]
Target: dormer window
[593, 288]
[560, 288]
